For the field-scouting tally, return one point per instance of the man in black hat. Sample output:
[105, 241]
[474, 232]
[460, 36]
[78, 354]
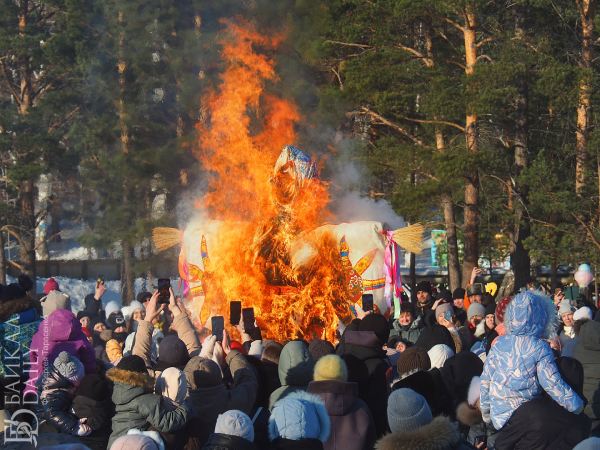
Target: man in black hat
[424, 302]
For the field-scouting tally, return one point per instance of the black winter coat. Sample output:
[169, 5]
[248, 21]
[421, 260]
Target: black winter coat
[543, 424]
[55, 402]
[99, 417]
[302, 444]
[587, 352]
[368, 365]
[218, 441]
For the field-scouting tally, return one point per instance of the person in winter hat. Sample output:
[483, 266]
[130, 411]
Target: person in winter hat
[53, 301]
[233, 431]
[438, 354]
[352, 426]
[362, 351]
[208, 393]
[543, 424]
[93, 403]
[413, 426]
[56, 390]
[444, 315]
[567, 333]
[139, 440]
[424, 302]
[299, 421]
[435, 334]
[172, 386]
[412, 360]
[60, 331]
[530, 319]
[135, 314]
[458, 300]
[295, 370]
[136, 405]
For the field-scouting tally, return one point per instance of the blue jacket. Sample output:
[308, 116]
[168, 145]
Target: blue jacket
[521, 363]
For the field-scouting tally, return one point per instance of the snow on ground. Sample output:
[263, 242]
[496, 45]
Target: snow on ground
[77, 289]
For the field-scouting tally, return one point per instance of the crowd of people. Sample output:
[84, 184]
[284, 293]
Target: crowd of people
[453, 370]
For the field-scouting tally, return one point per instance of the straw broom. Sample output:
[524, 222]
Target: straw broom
[165, 238]
[410, 238]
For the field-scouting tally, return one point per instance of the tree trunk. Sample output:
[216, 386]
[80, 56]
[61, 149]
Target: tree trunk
[519, 256]
[413, 278]
[471, 211]
[587, 9]
[2, 260]
[127, 274]
[27, 234]
[446, 202]
[554, 274]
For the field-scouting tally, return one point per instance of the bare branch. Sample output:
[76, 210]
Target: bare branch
[436, 122]
[10, 84]
[400, 129]
[456, 25]
[484, 41]
[349, 44]
[587, 228]
[339, 78]
[424, 59]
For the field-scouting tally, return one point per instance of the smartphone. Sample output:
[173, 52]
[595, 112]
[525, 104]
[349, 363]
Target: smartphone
[100, 280]
[218, 325]
[235, 312]
[164, 284]
[448, 316]
[367, 302]
[248, 318]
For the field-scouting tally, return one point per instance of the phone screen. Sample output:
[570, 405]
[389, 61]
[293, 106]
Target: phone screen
[235, 312]
[163, 287]
[218, 325]
[248, 317]
[367, 302]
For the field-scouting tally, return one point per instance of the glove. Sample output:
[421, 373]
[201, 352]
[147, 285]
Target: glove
[84, 429]
[208, 347]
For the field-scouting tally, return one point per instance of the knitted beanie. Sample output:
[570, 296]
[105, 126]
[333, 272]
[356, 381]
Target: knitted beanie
[111, 308]
[407, 411]
[172, 352]
[583, 313]
[438, 354]
[412, 360]
[50, 285]
[459, 293]
[490, 309]
[565, 307]
[331, 367]
[424, 286]
[235, 423]
[476, 309]
[69, 367]
[319, 348]
[132, 363]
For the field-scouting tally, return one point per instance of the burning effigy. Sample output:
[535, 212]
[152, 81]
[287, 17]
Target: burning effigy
[262, 234]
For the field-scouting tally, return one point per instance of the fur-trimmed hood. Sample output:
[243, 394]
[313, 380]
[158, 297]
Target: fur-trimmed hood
[15, 306]
[440, 434]
[130, 378]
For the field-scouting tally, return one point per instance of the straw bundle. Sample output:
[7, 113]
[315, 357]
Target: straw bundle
[164, 238]
[410, 238]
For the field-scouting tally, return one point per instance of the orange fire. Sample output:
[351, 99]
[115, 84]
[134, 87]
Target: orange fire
[263, 213]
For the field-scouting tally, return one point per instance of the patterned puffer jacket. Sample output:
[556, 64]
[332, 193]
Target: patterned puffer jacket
[521, 363]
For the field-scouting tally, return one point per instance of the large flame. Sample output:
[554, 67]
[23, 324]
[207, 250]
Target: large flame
[263, 213]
